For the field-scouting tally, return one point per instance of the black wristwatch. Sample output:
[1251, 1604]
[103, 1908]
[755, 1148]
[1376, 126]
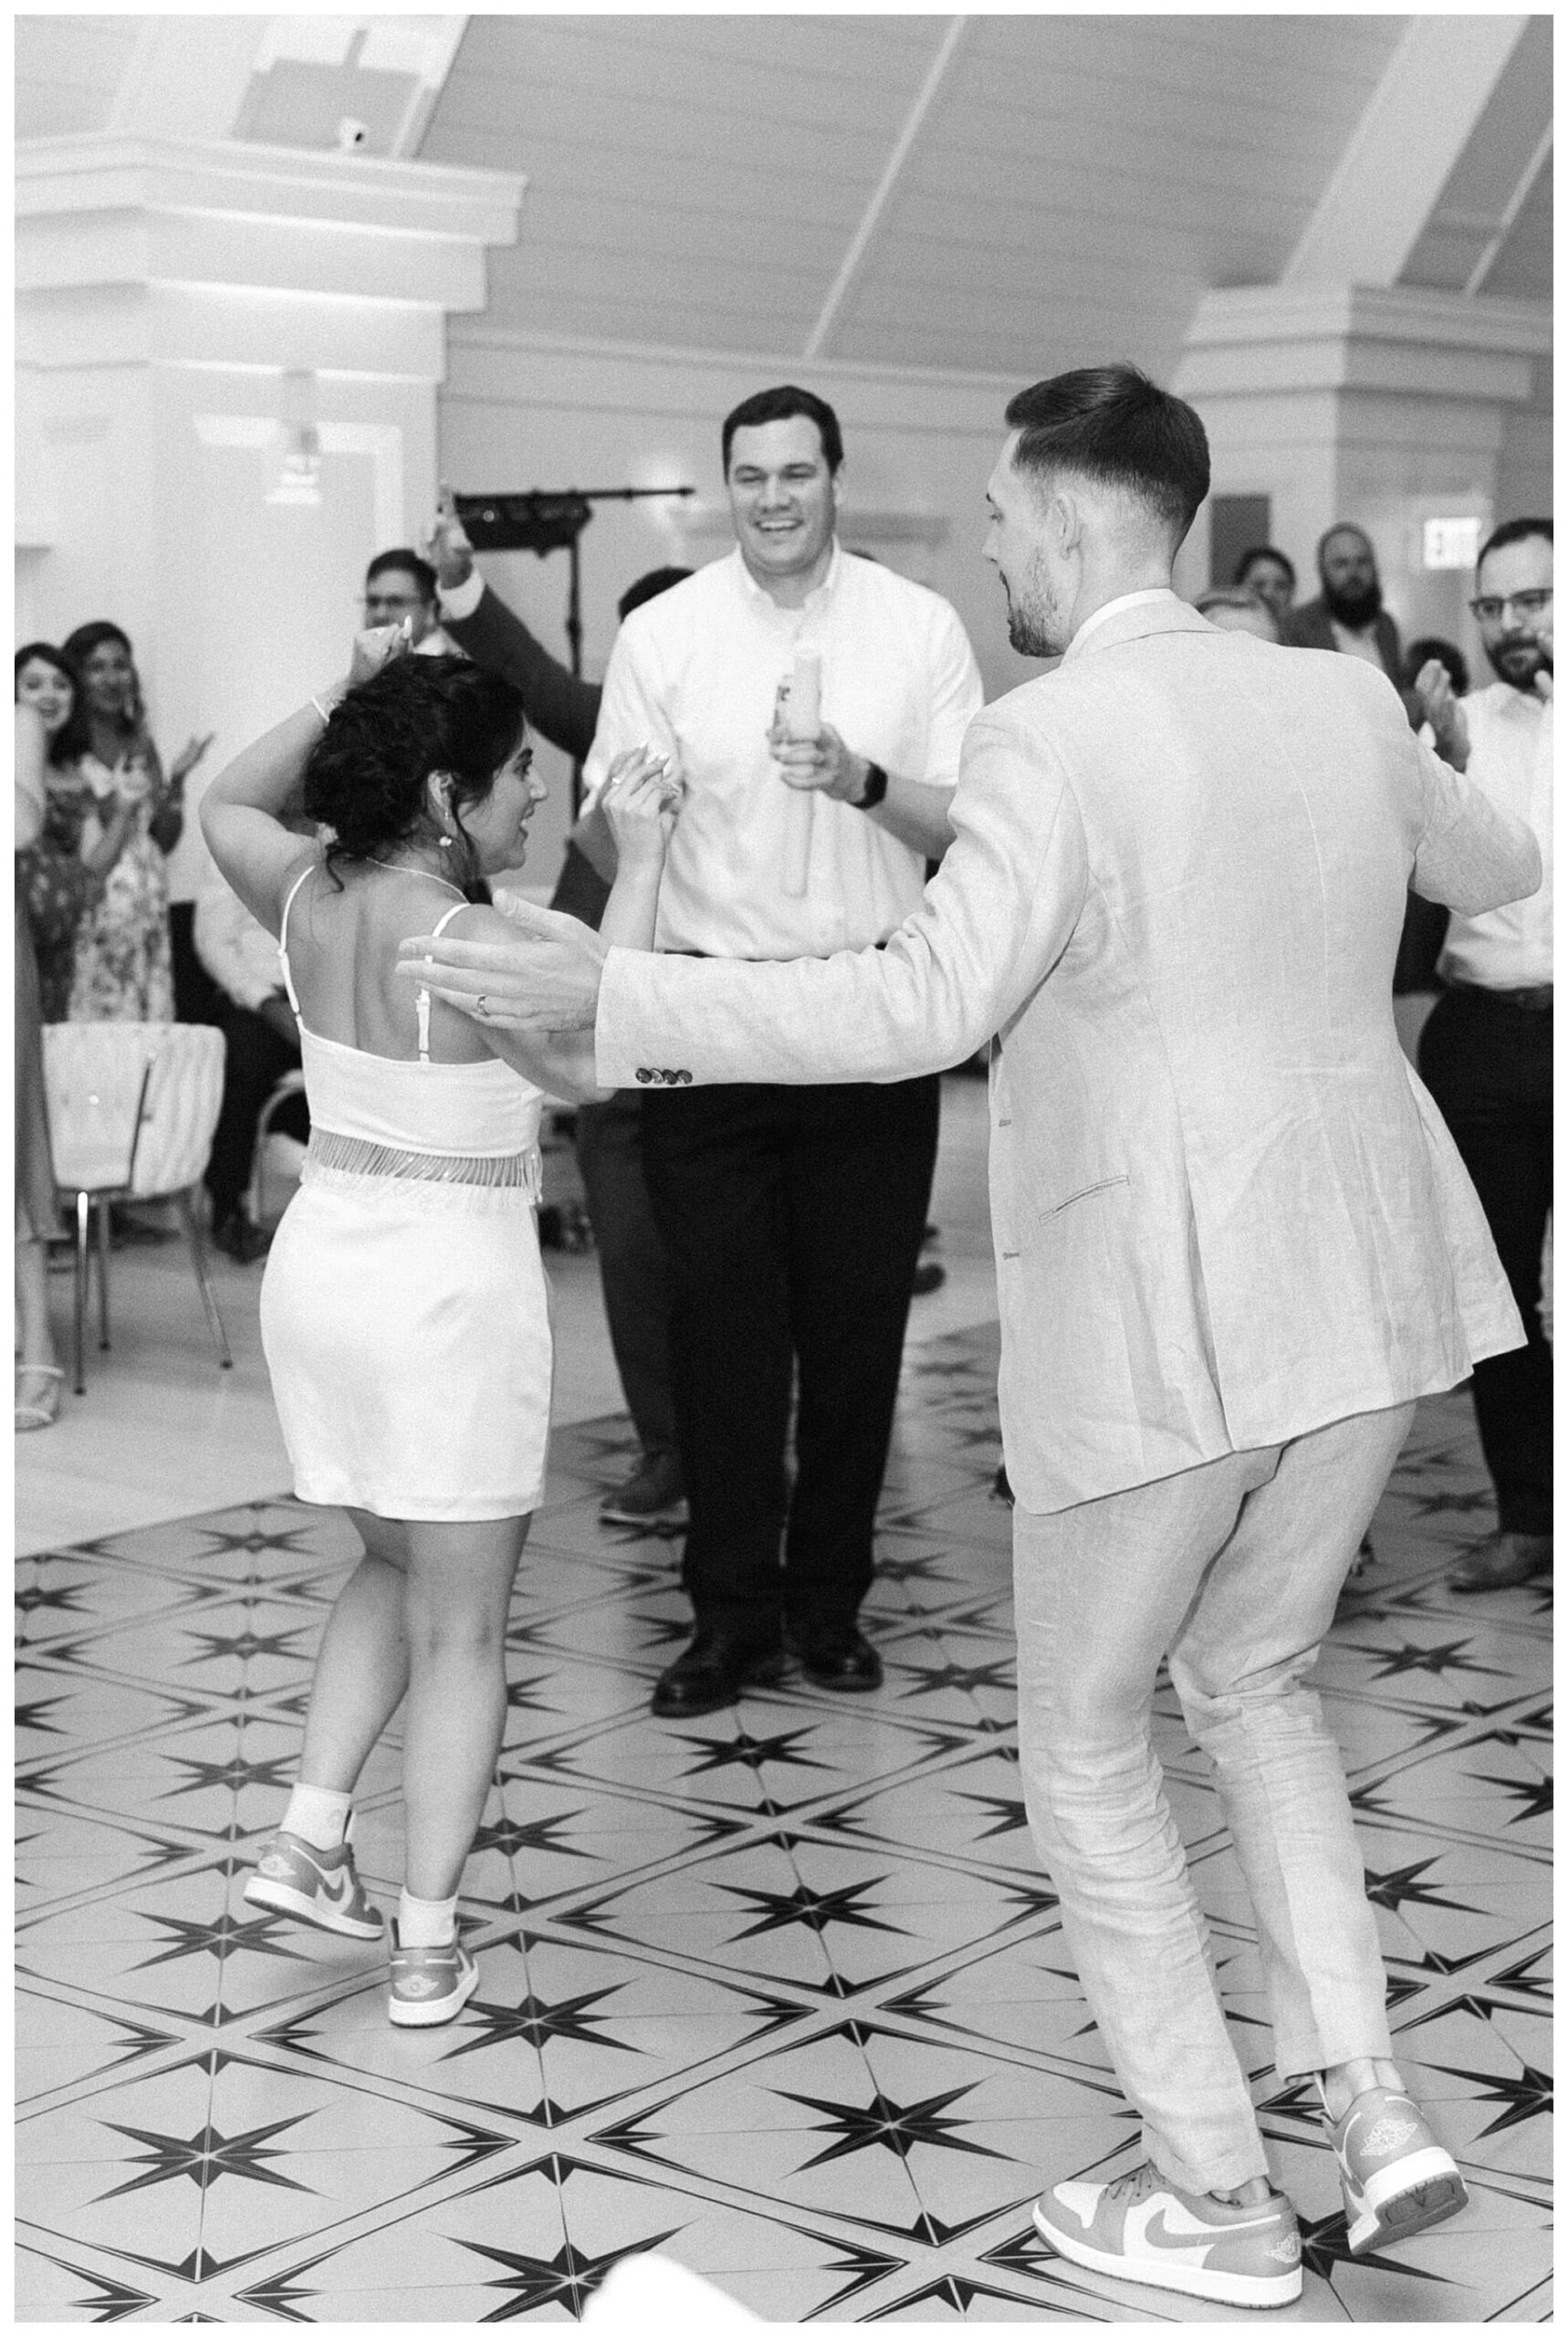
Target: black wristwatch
[875, 788]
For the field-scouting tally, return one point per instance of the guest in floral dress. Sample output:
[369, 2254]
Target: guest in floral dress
[53, 887]
[122, 970]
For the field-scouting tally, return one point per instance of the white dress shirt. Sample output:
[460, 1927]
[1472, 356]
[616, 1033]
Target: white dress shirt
[1510, 762]
[436, 644]
[756, 868]
[236, 948]
[460, 600]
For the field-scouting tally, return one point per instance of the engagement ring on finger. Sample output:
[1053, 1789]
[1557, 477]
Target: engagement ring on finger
[481, 1006]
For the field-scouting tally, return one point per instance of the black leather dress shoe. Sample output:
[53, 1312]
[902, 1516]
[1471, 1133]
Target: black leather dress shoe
[239, 1239]
[835, 1655]
[714, 1671]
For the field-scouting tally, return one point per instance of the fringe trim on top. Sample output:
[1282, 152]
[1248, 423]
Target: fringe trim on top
[351, 1161]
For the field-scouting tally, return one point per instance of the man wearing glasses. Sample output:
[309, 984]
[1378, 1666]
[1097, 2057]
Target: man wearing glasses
[399, 587]
[1486, 1050]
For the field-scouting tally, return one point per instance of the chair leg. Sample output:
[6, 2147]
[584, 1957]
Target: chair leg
[84, 1212]
[198, 1247]
[253, 1192]
[103, 1275]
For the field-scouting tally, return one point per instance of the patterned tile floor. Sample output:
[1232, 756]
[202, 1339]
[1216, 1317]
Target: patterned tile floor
[780, 1992]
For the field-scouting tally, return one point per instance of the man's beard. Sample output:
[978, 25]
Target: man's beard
[1034, 625]
[1517, 663]
[1355, 610]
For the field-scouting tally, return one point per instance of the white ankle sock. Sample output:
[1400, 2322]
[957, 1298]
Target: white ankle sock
[427, 1922]
[318, 1815]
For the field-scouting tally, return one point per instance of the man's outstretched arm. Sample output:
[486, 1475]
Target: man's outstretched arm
[993, 923]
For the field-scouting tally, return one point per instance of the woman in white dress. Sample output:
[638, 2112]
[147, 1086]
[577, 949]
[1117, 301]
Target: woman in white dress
[404, 1311]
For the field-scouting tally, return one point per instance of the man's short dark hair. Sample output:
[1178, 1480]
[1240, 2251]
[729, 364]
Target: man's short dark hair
[1111, 424]
[648, 588]
[408, 563]
[1264, 551]
[1512, 531]
[782, 405]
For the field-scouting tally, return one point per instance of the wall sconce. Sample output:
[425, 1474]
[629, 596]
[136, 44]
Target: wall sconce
[298, 480]
[299, 476]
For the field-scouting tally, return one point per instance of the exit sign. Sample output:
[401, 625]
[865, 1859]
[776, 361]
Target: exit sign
[1450, 543]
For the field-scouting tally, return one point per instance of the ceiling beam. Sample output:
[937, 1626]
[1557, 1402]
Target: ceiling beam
[859, 242]
[1373, 210]
[425, 46]
[1511, 212]
[188, 76]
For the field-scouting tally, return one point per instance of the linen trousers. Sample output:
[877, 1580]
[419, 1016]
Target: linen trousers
[1232, 1570]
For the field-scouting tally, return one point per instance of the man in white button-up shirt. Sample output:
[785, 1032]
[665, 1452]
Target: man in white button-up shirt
[793, 1216]
[1486, 1049]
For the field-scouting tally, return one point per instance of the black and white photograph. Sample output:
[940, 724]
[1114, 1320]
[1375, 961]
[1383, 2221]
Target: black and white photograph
[783, 1015]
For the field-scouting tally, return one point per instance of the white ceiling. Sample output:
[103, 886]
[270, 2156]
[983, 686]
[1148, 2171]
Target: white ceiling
[1074, 185]
[1078, 182]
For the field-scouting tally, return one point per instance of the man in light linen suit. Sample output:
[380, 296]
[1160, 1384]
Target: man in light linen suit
[1234, 1245]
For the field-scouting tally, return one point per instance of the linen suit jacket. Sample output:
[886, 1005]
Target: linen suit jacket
[1225, 1210]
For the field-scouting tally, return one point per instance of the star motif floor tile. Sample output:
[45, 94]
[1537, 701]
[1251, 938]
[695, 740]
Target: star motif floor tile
[780, 1991]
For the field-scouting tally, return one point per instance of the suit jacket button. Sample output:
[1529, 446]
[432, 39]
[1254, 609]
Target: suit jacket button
[644, 1076]
[685, 1077]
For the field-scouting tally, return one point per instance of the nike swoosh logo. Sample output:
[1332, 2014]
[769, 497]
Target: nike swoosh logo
[1156, 2234]
[336, 1895]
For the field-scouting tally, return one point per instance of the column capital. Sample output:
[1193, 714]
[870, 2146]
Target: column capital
[1299, 338]
[204, 251]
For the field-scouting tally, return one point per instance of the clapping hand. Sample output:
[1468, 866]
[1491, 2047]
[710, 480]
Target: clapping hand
[376, 647]
[641, 801]
[1434, 693]
[189, 756]
[446, 546]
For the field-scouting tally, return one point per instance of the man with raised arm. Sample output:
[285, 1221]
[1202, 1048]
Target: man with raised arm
[1234, 1245]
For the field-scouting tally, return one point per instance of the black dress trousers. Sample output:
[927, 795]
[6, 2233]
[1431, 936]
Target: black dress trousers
[793, 1219]
[1488, 1066]
[255, 1060]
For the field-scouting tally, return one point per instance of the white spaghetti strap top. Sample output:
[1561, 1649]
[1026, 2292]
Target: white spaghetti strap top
[422, 996]
[283, 940]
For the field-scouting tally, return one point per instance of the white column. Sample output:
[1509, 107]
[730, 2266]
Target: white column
[183, 307]
[1388, 407]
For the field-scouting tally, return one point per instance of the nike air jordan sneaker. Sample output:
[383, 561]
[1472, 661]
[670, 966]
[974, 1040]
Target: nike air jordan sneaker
[1143, 2228]
[1396, 2175]
[430, 1985]
[294, 1878]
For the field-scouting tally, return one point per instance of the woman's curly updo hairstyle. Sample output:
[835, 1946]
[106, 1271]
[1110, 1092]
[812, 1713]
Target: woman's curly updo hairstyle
[367, 772]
